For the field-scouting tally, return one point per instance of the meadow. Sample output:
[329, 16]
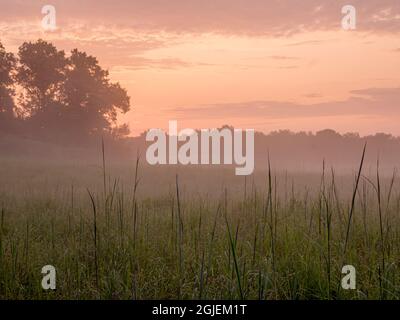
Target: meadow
[138, 232]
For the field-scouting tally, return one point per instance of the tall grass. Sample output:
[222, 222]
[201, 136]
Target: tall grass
[112, 242]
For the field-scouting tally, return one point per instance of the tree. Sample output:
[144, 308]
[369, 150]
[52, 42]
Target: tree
[91, 101]
[7, 68]
[41, 73]
[68, 98]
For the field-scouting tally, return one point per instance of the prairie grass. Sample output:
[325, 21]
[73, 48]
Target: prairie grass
[270, 238]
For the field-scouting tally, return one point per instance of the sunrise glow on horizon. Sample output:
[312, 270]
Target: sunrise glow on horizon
[254, 68]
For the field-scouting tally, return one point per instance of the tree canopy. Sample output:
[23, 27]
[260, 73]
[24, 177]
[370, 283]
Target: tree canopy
[67, 98]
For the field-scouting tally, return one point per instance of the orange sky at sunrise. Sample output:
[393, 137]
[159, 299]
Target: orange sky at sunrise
[266, 65]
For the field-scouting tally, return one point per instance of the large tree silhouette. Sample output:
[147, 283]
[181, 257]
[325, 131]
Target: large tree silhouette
[62, 98]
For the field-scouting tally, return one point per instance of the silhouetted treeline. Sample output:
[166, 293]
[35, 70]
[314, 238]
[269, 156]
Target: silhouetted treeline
[55, 104]
[47, 95]
[307, 151]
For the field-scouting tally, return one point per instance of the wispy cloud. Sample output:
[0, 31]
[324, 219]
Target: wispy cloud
[313, 95]
[139, 63]
[117, 45]
[372, 101]
[278, 57]
[305, 43]
[279, 18]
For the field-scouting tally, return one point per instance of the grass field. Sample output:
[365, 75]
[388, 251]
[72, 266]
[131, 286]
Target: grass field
[273, 236]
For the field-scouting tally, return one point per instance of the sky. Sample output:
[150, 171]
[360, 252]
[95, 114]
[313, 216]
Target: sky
[259, 64]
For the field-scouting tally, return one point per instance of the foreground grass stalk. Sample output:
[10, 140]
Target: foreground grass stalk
[353, 201]
[233, 248]
[96, 262]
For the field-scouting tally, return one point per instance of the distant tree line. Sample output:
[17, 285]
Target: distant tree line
[48, 95]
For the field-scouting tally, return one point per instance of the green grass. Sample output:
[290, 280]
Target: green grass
[272, 240]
